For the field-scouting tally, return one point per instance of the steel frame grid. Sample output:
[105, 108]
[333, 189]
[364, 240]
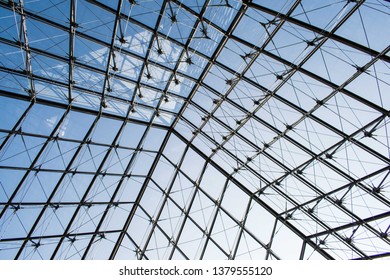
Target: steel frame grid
[283, 217]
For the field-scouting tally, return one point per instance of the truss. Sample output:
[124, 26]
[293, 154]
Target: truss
[198, 129]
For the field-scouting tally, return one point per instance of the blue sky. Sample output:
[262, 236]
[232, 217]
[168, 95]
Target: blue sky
[247, 121]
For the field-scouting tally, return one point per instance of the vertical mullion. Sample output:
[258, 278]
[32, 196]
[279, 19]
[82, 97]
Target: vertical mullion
[72, 31]
[66, 172]
[188, 208]
[138, 199]
[49, 139]
[242, 226]
[114, 142]
[209, 232]
[26, 47]
[166, 194]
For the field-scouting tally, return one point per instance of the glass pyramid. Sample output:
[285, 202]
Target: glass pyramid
[200, 129]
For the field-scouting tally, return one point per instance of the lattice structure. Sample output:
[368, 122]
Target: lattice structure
[200, 129]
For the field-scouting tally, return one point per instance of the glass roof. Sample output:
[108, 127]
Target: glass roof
[202, 129]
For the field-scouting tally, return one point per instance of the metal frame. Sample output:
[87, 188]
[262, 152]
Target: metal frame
[316, 242]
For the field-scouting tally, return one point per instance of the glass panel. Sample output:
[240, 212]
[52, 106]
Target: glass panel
[194, 129]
